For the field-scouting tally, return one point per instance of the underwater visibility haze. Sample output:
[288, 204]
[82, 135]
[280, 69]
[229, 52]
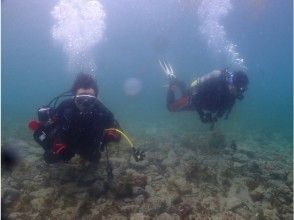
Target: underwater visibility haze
[241, 169]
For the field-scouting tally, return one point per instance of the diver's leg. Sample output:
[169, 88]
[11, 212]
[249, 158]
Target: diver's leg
[183, 102]
[171, 97]
[182, 87]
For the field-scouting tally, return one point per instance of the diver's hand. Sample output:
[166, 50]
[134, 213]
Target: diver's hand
[168, 70]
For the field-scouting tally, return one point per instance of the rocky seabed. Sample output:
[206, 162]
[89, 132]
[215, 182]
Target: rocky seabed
[181, 178]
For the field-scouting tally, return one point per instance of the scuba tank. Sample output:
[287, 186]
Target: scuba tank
[45, 114]
[46, 128]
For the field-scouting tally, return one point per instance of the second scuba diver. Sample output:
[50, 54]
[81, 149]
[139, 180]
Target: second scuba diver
[212, 96]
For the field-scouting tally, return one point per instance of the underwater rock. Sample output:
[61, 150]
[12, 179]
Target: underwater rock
[33, 159]
[285, 209]
[38, 204]
[171, 159]
[81, 196]
[241, 158]
[117, 161]
[227, 153]
[226, 184]
[257, 194]
[228, 215]
[113, 217]
[166, 216]
[39, 178]
[254, 167]
[251, 183]
[174, 198]
[198, 173]
[139, 199]
[248, 153]
[179, 185]
[278, 175]
[158, 178]
[10, 195]
[214, 203]
[238, 166]
[149, 191]
[155, 157]
[67, 213]
[284, 190]
[123, 187]
[233, 204]
[14, 215]
[184, 210]
[67, 189]
[97, 189]
[227, 172]
[43, 192]
[217, 140]
[128, 209]
[284, 217]
[65, 176]
[83, 208]
[139, 191]
[233, 145]
[203, 210]
[139, 216]
[154, 206]
[289, 181]
[87, 181]
[139, 180]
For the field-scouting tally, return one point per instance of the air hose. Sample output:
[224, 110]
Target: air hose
[137, 154]
[123, 134]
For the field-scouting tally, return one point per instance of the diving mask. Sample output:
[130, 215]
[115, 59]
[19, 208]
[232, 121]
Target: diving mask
[85, 102]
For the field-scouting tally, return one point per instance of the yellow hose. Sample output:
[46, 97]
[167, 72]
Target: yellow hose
[123, 134]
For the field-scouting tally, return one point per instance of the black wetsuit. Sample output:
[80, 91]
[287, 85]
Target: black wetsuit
[80, 133]
[209, 96]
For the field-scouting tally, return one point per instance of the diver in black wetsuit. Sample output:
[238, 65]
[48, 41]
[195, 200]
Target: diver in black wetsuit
[212, 95]
[77, 126]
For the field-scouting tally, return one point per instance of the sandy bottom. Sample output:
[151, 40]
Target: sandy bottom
[202, 176]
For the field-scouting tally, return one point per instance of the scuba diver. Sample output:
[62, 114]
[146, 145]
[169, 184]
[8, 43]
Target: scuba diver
[80, 124]
[212, 95]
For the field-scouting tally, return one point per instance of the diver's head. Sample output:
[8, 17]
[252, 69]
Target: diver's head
[85, 90]
[238, 82]
[85, 83]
